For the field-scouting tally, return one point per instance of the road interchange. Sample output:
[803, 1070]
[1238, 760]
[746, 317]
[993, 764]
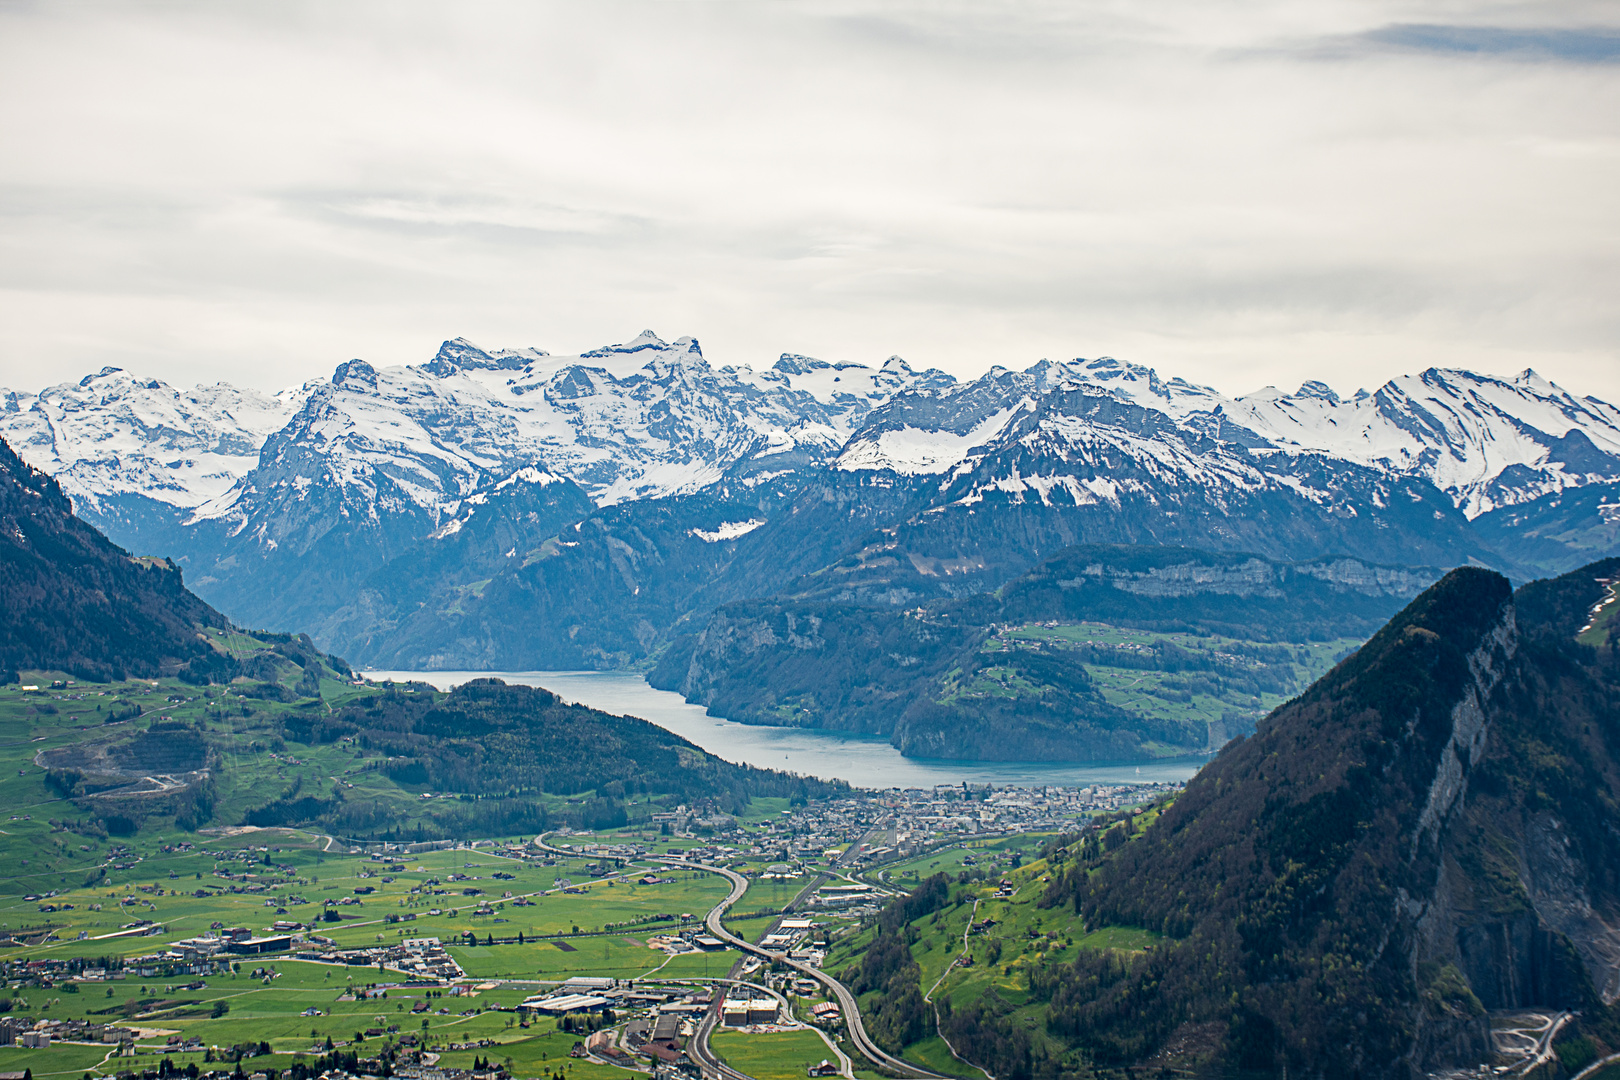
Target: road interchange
[847, 1002]
[846, 999]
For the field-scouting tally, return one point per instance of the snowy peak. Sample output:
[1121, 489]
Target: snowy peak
[650, 418]
[846, 392]
[641, 343]
[459, 353]
[926, 429]
[641, 420]
[1142, 385]
[1318, 390]
[1486, 442]
[531, 476]
[796, 364]
[111, 435]
[105, 373]
[933, 429]
[355, 375]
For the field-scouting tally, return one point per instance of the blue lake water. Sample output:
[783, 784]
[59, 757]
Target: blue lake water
[868, 762]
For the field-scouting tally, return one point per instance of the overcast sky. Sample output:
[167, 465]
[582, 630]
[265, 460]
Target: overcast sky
[1240, 194]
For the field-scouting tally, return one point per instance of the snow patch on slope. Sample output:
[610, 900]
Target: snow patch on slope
[726, 530]
[920, 452]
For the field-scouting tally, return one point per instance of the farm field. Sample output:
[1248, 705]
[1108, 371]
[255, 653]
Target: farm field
[288, 1008]
[517, 922]
[782, 1055]
[95, 902]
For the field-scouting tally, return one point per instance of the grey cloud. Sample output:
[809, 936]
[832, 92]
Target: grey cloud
[257, 192]
[1595, 45]
[484, 220]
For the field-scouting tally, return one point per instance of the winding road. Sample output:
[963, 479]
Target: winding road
[1532, 1039]
[973, 917]
[846, 1000]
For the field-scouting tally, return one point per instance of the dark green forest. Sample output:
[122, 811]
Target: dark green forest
[503, 747]
[78, 603]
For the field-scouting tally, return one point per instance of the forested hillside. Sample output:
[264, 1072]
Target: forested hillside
[1428, 833]
[76, 602]
[241, 727]
[489, 739]
[1026, 673]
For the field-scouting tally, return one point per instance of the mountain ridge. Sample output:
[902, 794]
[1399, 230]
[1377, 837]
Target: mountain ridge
[1540, 435]
[77, 603]
[966, 483]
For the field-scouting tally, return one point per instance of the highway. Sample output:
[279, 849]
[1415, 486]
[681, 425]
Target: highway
[846, 1000]
[698, 1047]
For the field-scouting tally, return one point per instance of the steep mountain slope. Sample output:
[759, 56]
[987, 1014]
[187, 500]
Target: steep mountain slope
[1070, 465]
[75, 602]
[138, 456]
[1078, 465]
[649, 418]
[1485, 442]
[646, 419]
[1431, 831]
[604, 592]
[956, 679]
[111, 434]
[319, 549]
[355, 520]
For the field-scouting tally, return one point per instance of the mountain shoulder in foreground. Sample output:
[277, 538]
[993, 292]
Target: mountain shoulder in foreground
[1431, 832]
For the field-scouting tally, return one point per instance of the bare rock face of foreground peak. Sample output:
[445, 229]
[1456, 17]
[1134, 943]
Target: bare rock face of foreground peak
[1430, 832]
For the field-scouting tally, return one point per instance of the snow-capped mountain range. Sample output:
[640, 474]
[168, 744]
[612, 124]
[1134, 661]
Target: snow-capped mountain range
[702, 484]
[644, 419]
[649, 419]
[112, 434]
[1486, 442]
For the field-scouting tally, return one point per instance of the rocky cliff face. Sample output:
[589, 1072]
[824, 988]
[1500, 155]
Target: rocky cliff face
[1431, 831]
[1526, 902]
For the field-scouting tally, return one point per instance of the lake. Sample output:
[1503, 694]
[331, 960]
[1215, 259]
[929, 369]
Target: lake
[868, 762]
